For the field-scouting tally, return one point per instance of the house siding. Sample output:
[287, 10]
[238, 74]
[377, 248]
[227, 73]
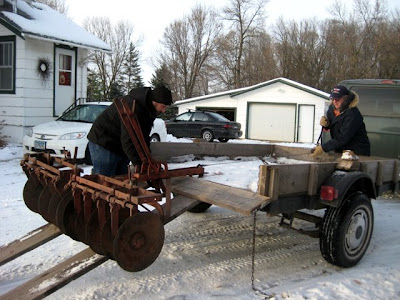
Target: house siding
[32, 102]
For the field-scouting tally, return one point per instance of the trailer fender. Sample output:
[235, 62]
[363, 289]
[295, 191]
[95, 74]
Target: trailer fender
[345, 183]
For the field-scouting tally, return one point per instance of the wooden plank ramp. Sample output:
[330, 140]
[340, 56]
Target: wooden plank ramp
[239, 200]
[180, 204]
[28, 242]
[55, 278]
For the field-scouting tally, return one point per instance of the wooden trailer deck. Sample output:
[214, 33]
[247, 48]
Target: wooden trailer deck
[239, 200]
[275, 180]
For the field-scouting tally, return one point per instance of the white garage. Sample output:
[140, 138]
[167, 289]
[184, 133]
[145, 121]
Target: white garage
[277, 110]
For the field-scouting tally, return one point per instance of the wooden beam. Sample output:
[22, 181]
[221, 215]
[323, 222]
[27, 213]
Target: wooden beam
[239, 200]
[53, 279]
[179, 205]
[313, 180]
[273, 189]
[28, 242]
[263, 180]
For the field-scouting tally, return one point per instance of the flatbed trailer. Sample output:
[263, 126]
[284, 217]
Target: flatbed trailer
[106, 212]
[120, 219]
[123, 217]
[342, 189]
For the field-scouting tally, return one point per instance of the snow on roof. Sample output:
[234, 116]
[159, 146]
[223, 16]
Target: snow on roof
[37, 20]
[233, 93]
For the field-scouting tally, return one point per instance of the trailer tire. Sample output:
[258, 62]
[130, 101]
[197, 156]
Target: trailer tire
[199, 208]
[346, 231]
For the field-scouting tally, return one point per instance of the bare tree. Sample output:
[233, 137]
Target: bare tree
[243, 17]
[388, 47]
[108, 66]
[301, 51]
[224, 64]
[188, 45]
[357, 43]
[357, 32]
[58, 5]
[258, 63]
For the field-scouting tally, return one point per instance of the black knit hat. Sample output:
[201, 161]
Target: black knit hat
[140, 93]
[162, 95]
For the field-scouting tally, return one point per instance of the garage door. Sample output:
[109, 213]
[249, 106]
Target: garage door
[272, 122]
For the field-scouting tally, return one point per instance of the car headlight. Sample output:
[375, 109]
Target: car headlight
[73, 136]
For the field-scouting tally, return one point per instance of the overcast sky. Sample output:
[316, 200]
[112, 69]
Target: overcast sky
[151, 17]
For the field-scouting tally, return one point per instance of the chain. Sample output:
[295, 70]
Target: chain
[253, 250]
[253, 255]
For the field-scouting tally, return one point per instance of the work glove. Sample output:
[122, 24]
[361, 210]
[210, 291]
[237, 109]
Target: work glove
[324, 122]
[317, 151]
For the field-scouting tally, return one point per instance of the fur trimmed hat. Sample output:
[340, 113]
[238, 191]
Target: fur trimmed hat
[162, 95]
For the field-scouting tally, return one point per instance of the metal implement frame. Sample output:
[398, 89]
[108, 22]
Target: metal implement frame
[92, 192]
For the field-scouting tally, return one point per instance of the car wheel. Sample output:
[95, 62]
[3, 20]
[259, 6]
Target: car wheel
[207, 135]
[154, 137]
[223, 140]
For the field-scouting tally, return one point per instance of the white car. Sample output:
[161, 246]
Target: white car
[70, 131]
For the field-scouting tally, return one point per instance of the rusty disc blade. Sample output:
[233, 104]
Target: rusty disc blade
[43, 202]
[65, 216]
[93, 233]
[31, 193]
[107, 238]
[80, 227]
[139, 241]
[53, 204]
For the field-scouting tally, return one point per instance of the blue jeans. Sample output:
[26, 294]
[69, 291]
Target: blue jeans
[106, 162]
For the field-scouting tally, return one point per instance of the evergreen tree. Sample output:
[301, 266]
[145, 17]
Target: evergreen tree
[94, 90]
[131, 71]
[116, 90]
[160, 77]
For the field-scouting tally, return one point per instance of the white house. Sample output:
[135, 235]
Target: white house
[43, 65]
[277, 110]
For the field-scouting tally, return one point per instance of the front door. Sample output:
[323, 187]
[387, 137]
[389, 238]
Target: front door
[306, 123]
[65, 70]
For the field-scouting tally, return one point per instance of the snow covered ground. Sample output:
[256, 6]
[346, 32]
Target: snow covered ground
[208, 255]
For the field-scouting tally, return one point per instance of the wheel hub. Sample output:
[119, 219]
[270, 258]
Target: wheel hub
[356, 231]
[138, 241]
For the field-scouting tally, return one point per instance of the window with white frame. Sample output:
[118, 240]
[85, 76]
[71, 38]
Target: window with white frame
[7, 64]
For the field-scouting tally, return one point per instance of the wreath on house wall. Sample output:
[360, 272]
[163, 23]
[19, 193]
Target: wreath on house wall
[44, 68]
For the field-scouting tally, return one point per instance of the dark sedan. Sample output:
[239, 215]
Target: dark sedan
[203, 124]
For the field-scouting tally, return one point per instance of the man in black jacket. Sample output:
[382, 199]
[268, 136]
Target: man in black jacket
[110, 145]
[346, 124]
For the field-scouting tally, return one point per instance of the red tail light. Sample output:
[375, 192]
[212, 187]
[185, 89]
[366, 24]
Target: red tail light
[227, 126]
[328, 193]
[387, 81]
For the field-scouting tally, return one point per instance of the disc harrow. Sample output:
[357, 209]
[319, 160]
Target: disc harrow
[121, 217]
